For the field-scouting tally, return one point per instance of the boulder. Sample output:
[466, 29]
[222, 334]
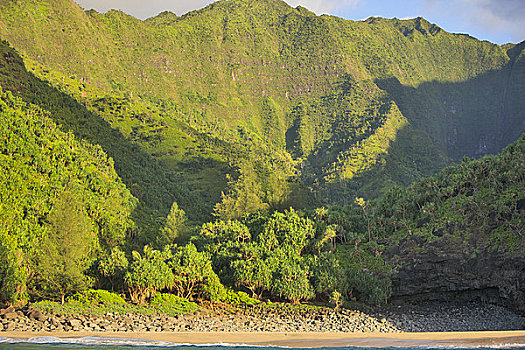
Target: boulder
[7, 310]
[74, 323]
[37, 315]
[10, 315]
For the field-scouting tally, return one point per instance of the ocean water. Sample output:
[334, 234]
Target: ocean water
[94, 343]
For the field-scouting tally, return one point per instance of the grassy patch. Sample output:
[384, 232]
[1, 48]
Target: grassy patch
[95, 303]
[173, 305]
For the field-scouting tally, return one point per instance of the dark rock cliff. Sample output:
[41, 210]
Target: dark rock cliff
[449, 270]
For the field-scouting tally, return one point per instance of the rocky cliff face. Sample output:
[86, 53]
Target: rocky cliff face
[449, 270]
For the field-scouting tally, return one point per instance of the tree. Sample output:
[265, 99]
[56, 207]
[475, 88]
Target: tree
[224, 241]
[174, 226]
[254, 272]
[292, 282]
[12, 274]
[113, 266]
[65, 249]
[191, 270]
[329, 234]
[147, 274]
[245, 196]
[325, 273]
[361, 202]
[288, 231]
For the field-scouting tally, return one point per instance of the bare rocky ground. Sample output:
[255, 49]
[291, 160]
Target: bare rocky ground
[451, 317]
[279, 318]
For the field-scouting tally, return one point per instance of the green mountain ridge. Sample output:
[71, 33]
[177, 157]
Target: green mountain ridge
[266, 103]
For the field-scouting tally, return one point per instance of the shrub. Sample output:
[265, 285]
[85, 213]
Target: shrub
[232, 297]
[173, 305]
[98, 296]
[147, 274]
[366, 287]
[336, 299]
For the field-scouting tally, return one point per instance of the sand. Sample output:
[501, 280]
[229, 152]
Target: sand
[298, 340]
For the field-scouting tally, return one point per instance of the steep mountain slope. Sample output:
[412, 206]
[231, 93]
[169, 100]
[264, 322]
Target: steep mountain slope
[47, 174]
[358, 105]
[155, 186]
[459, 235]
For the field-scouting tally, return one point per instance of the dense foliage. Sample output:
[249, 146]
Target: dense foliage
[479, 201]
[291, 256]
[61, 203]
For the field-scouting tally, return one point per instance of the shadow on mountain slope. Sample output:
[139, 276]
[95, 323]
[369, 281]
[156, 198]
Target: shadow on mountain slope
[154, 184]
[410, 157]
[471, 118]
[447, 122]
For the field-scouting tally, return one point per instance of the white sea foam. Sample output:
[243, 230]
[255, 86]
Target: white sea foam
[393, 344]
[93, 340]
[481, 346]
[87, 341]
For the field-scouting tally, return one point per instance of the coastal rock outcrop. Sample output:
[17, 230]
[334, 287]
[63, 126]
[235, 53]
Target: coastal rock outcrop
[452, 269]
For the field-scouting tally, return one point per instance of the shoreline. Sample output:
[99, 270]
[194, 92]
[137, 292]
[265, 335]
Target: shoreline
[420, 326]
[305, 339]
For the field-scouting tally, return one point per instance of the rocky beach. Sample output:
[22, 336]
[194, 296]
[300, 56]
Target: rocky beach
[430, 317]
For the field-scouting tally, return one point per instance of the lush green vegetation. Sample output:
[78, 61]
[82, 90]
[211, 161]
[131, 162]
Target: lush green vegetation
[186, 158]
[480, 202]
[62, 204]
[100, 302]
[325, 254]
[173, 305]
